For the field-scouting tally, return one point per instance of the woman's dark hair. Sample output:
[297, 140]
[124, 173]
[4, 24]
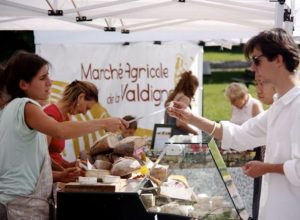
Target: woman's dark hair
[75, 88]
[187, 84]
[21, 66]
[272, 43]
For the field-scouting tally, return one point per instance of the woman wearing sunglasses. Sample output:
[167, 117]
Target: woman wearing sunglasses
[275, 56]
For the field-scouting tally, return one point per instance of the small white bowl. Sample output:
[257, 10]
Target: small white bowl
[87, 180]
[111, 179]
[98, 173]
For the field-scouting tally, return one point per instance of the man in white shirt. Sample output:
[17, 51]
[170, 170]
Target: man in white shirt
[275, 56]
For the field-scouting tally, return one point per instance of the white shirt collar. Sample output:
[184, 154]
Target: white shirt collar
[287, 97]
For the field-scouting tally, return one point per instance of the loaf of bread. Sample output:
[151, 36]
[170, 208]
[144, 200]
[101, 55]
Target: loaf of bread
[127, 146]
[104, 145]
[124, 149]
[124, 166]
[102, 164]
[135, 141]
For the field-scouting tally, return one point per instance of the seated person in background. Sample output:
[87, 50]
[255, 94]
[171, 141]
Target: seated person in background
[183, 92]
[244, 106]
[131, 129]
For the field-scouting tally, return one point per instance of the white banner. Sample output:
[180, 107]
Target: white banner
[132, 79]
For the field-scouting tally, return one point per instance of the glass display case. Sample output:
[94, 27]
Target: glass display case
[197, 184]
[187, 179]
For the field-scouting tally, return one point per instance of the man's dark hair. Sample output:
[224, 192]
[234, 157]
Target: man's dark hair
[272, 43]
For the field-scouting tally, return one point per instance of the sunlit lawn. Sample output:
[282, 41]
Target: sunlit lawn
[215, 105]
[225, 56]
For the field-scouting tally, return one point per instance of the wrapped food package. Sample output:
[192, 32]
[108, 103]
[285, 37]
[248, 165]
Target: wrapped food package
[124, 166]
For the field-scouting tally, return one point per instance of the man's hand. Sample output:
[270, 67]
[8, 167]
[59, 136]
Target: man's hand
[254, 168]
[180, 111]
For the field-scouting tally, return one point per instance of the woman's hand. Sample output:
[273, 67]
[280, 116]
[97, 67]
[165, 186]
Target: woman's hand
[68, 175]
[180, 111]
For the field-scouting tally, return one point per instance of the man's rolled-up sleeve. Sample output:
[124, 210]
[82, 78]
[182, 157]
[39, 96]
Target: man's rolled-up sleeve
[246, 136]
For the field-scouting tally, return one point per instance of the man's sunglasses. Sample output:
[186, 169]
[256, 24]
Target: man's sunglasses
[255, 60]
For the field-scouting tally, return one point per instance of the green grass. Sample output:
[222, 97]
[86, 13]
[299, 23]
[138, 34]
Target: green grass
[224, 56]
[219, 54]
[215, 105]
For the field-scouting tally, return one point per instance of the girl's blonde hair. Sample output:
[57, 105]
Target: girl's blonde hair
[235, 91]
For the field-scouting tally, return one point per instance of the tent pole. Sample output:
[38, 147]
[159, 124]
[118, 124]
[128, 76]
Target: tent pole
[289, 24]
[279, 10]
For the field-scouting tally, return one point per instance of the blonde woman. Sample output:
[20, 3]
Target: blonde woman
[78, 97]
[244, 106]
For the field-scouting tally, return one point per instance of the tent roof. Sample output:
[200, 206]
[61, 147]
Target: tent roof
[145, 19]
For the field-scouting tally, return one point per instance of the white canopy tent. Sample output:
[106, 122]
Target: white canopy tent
[212, 21]
[65, 22]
